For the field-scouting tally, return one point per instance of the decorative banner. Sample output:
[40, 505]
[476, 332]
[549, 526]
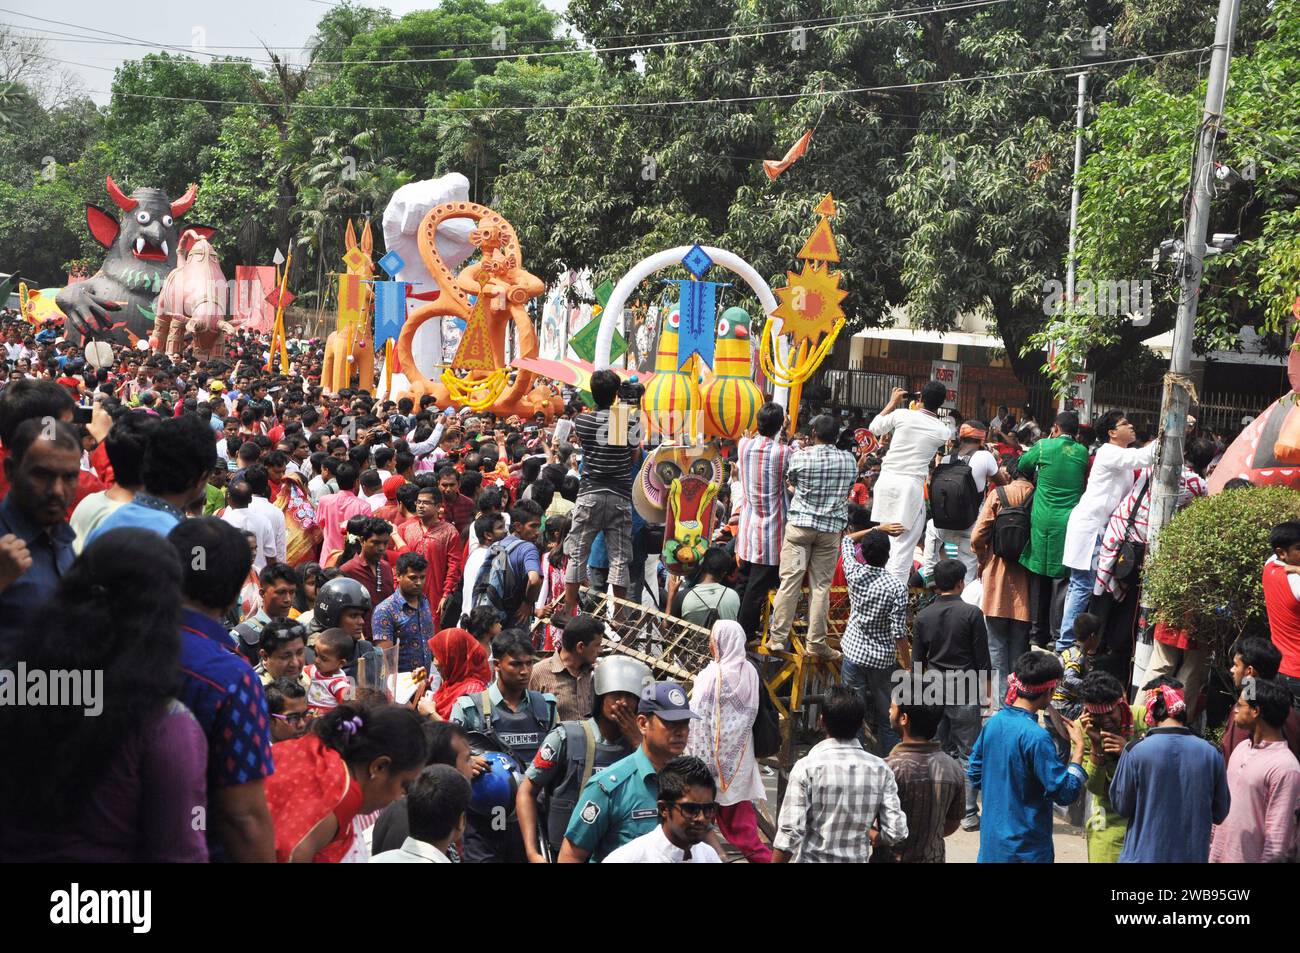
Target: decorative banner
[698, 308]
[475, 350]
[773, 167]
[390, 310]
[603, 291]
[810, 303]
[352, 300]
[250, 309]
[947, 373]
[583, 342]
[697, 261]
[820, 245]
[392, 263]
[1079, 398]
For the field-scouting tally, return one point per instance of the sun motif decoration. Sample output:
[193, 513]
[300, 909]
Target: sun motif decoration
[809, 308]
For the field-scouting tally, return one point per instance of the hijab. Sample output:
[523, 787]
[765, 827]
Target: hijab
[725, 696]
[464, 667]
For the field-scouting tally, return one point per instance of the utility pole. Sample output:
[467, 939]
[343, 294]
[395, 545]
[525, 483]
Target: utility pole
[1178, 398]
[1080, 109]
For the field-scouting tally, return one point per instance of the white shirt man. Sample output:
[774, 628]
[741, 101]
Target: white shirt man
[248, 520]
[275, 517]
[899, 493]
[656, 848]
[412, 851]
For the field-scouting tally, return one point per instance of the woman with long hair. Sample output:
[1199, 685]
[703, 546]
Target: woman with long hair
[118, 774]
[357, 759]
[725, 696]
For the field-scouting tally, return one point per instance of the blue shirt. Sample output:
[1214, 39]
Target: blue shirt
[1172, 787]
[52, 555]
[143, 512]
[410, 628]
[1015, 762]
[524, 558]
[226, 697]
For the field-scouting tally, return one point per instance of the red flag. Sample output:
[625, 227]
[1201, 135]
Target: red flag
[773, 169]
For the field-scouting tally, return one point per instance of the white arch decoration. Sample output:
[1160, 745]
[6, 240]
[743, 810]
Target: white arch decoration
[612, 316]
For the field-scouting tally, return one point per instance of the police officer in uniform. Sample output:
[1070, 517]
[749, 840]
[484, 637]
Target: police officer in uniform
[344, 603]
[576, 750]
[621, 803]
[519, 719]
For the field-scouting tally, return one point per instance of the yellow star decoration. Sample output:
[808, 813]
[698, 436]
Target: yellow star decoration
[810, 303]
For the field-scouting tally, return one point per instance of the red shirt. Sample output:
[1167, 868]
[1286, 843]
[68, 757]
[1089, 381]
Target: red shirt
[1283, 614]
[442, 547]
[380, 587]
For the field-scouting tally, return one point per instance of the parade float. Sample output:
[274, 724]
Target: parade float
[118, 302]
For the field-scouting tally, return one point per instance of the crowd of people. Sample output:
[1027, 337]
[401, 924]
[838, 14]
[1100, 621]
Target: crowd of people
[335, 628]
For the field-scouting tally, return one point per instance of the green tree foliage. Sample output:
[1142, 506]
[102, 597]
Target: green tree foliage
[1135, 181]
[1207, 575]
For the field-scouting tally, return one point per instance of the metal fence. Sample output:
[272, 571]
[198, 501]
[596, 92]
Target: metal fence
[860, 389]
[1220, 412]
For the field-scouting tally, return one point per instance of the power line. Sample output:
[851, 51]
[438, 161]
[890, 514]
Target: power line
[723, 31]
[630, 48]
[1042, 71]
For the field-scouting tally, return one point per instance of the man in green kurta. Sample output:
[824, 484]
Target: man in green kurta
[1058, 465]
[1109, 724]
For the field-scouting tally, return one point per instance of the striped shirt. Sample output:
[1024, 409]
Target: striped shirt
[822, 477]
[1191, 485]
[604, 467]
[762, 463]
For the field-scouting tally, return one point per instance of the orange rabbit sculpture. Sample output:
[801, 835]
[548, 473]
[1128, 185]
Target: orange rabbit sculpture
[349, 350]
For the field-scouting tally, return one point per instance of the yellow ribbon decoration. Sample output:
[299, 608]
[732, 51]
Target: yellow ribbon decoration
[797, 371]
[490, 388]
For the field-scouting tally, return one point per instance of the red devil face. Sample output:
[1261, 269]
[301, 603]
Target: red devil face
[1267, 452]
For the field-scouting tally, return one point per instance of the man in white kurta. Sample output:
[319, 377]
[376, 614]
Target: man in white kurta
[899, 493]
[1114, 467]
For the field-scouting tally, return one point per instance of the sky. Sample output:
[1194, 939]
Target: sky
[284, 25]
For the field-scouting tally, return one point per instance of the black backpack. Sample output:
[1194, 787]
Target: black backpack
[1011, 527]
[954, 498]
[497, 584]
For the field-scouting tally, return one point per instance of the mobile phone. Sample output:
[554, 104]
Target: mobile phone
[82, 415]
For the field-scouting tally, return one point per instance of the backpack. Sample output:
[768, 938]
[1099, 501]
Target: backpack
[498, 584]
[767, 726]
[1011, 527]
[954, 498]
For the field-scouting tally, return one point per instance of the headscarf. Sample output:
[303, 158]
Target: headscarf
[725, 696]
[967, 432]
[1174, 702]
[1016, 688]
[463, 665]
[1120, 704]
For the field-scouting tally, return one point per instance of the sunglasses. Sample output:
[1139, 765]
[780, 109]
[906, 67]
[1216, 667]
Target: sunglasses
[691, 809]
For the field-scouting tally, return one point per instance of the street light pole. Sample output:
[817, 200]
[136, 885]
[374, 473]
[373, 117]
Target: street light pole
[1177, 391]
[1080, 109]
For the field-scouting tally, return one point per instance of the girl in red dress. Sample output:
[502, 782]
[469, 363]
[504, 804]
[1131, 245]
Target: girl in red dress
[357, 758]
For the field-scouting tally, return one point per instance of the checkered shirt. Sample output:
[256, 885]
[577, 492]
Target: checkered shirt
[822, 477]
[877, 612]
[836, 793]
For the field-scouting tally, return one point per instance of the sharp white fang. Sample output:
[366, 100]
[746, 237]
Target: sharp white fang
[164, 249]
[139, 245]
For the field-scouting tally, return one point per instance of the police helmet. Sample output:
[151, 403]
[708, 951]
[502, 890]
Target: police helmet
[336, 595]
[620, 673]
[494, 790]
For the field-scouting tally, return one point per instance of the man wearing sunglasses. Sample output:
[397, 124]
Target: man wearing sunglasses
[686, 811]
[286, 703]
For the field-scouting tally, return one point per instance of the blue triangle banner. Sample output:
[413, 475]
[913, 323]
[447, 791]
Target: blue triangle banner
[390, 311]
[697, 307]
